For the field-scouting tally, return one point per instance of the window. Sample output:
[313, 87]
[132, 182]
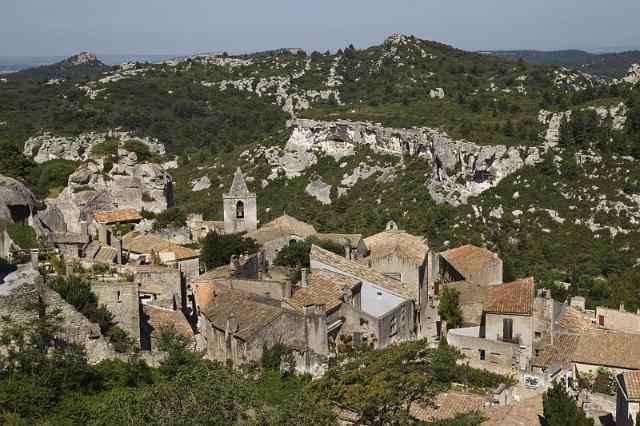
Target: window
[537, 334]
[601, 320]
[482, 354]
[393, 326]
[507, 329]
[240, 210]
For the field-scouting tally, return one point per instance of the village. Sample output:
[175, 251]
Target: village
[380, 290]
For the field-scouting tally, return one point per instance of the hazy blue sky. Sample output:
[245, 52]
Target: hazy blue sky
[61, 27]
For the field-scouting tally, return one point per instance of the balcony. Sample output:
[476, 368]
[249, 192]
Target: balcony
[513, 339]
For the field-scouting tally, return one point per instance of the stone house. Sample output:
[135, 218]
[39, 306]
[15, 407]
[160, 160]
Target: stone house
[398, 255]
[199, 227]
[627, 398]
[279, 233]
[160, 286]
[354, 244]
[106, 220]
[472, 264]
[503, 341]
[235, 325]
[121, 299]
[153, 249]
[154, 318]
[240, 207]
[71, 244]
[617, 319]
[102, 253]
[391, 306]
[340, 294]
[614, 350]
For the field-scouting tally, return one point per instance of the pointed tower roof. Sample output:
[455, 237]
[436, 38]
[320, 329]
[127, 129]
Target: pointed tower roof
[239, 186]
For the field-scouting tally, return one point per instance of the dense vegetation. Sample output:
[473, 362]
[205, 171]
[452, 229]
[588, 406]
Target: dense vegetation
[64, 69]
[218, 249]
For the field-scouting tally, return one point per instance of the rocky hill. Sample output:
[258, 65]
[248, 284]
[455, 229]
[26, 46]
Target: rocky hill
[535, 161]
[82, 64]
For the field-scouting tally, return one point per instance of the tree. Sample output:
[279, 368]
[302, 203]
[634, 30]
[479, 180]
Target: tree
[218, 249]
[296, 254]
[449, 307]
[560, 409]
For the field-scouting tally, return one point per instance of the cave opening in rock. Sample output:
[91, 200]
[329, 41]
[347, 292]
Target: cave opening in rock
[20, 213]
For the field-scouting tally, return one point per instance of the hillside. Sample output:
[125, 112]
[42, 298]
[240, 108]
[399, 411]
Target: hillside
[82, 64]
[535, 161]
[603, 65]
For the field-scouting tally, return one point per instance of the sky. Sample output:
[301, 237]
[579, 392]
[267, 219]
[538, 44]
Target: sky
[65, 27]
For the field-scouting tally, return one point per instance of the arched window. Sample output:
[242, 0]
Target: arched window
[240, 210]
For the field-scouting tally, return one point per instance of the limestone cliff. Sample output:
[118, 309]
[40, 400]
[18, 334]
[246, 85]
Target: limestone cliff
[100, 185]
[454, 169]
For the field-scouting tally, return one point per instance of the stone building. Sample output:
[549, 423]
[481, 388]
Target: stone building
[617, 319]
[154, 319]
[390, 305]
[503, 342]
[240, 207]
[472, 264]
[627, 398]
[121, 299]
[152, 249]
[160, 286]
[279, 233]
[105, 221]
[398, 255]
[235, 325]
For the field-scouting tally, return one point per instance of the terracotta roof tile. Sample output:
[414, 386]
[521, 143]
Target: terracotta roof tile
[512, 298]
[159, 316]
[217, 303]
[220, 272]
[527, 412]
[575, 321]
[561, 352]
[609, 348]
[284, 226]
[447, 405]
[115, 216]
[469, 259]
[355, 269]
[630, 381]
[145, 244]
[324, 288]
[399, 242]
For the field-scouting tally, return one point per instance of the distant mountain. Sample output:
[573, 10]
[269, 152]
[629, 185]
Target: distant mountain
[85, 63]
[604, 65]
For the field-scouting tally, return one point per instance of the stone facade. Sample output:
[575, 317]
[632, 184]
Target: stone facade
[240, 207]
[121, 299]
[161, 287]
[490, 355]
[619, 320]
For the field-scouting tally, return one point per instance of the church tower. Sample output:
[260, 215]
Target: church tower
[240, 208]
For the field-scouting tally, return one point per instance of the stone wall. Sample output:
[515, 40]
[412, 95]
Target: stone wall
[121, 299]
[233, 224]
[618, 320]
[165, 284]
[499, 357]
[522, 328]
[408, 271]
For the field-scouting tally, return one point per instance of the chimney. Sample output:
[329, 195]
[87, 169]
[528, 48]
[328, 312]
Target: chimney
[622, 307]
[303, 277]
[119, 252]
[84, 228]
[287, 289]
[34, 258]
[347, 251]
[102, 232]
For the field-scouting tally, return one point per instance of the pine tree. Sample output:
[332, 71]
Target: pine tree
[560, 409]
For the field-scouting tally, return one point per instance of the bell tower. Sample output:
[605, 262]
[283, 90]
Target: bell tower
[240, 207]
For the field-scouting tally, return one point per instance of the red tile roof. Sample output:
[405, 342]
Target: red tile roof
[392, 241]
[561, 352]
[609, 349]
[630, 382]
[512, 298]
[159, 317]
[115, 216]
[469, 259]
[324, 288]
[137, 242]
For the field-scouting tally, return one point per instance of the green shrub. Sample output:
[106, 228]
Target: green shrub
[120, 339]
[24, 236]
[108, 148]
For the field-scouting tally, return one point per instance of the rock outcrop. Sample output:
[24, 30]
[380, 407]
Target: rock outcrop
[47, 147]
[456, 169]
[128, 184]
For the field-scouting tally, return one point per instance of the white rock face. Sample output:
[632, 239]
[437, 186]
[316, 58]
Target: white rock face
[633, 75]
[457, 169]
[320, 190]
[437, 93]
[47, 147]
[128, 184]
[200, 184]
